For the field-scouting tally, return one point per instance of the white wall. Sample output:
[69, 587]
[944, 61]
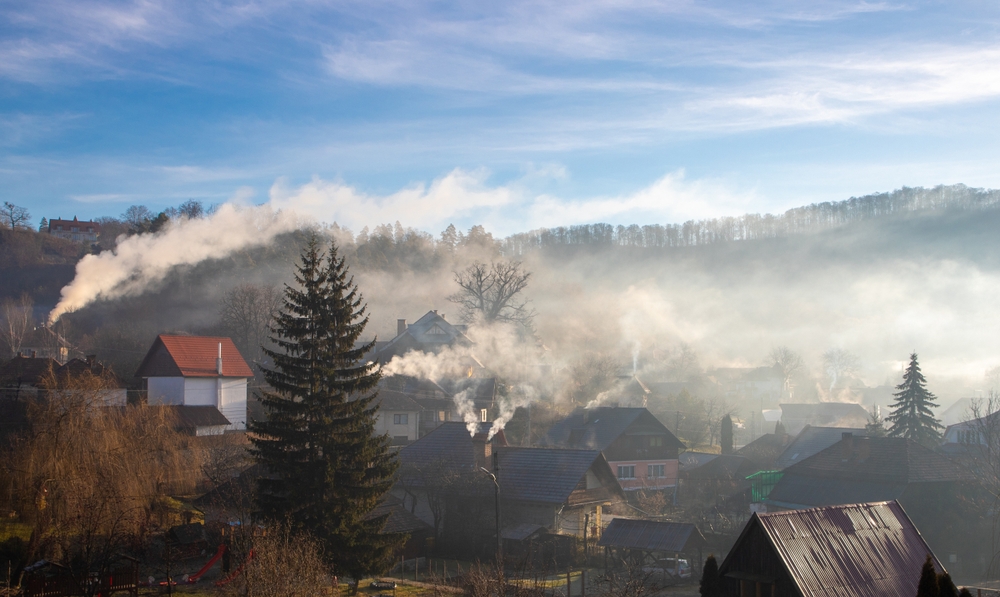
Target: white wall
[234, 400]
[201, 391]
[165, 390]
[384, 424]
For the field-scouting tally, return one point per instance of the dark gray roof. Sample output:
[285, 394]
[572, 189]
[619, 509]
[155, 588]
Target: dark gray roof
[794, 491]
[392, 401]
[521, 531]
[543, 474]
[400, 520]
[812, 440]
[191, 417]
[597, 428]
[689, 460]
[827, 414]
[448, 445]
[725, 466]
[483, 389]
[650, 535]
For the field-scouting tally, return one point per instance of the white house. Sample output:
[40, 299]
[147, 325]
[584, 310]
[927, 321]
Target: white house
[197, 371]
[398, 416]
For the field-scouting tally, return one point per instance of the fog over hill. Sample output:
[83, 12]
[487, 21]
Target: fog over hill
[879, 276]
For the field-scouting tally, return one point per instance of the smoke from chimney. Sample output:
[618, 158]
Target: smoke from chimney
[141, 261]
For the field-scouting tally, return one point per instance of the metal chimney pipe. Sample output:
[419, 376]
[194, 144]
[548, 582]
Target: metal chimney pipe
[218, 361]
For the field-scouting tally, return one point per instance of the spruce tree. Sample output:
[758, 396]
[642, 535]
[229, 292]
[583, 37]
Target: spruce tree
[928, 584]
[946, 586]
[711, 582]
[911, 412]
[327, 468]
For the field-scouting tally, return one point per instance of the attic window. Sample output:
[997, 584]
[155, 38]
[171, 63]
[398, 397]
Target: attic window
[436, 331]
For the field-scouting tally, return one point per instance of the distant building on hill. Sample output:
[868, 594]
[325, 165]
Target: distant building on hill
[74, 229]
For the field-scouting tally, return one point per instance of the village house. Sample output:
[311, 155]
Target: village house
[823, 414]
[437, 399]
[813, 440]
[431, 333]
[74, 230]
[197, 371]
[639, 448]
[444, 479]
[862, 550]
[398, 417]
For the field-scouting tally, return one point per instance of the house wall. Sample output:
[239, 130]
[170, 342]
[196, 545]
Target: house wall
[641, 480]
[384, 423]
[165, 390]
[234, 400]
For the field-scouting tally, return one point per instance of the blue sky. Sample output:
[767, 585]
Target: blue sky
[515, 115]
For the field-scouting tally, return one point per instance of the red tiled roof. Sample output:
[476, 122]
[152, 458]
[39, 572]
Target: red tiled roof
[192, 356]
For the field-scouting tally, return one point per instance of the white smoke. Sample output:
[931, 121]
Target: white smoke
[500, 351]
[467, 410]
[143, 260]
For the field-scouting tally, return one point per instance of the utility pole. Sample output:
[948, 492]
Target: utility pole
[496, 484]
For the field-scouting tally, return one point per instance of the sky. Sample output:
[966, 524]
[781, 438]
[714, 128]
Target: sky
[515, 115]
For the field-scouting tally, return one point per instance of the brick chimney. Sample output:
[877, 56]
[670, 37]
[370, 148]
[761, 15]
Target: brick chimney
[483, 451]
[400, 326]
[847, 445]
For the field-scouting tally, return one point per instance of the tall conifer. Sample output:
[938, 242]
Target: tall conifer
[327, 468]
[911, 412]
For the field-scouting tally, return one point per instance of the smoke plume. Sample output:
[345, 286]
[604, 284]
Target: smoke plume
[141, 261]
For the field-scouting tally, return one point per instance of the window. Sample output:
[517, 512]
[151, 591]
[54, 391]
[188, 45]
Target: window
[655, 442]
[401, 419]
[436, 331]
[484, 417]
[626, 472]
[654, 471]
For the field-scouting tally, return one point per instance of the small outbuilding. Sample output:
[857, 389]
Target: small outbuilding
[648, 542]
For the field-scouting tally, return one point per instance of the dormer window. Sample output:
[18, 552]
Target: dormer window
[436, 331]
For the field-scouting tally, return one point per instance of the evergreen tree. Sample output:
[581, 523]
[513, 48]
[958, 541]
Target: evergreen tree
[779, 428]
[726, 435]
[928, 585]
[965, 593]
[711, 582]
[328, 469]
[43, 226]
[946, 587]
[911, 412]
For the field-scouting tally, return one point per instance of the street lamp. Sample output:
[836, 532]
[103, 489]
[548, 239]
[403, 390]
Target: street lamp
[496, 484]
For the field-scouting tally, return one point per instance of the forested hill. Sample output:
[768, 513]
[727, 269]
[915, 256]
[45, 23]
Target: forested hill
[800, 220]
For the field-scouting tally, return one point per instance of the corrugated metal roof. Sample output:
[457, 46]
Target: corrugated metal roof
[857, 550]
[192, 356]
[651, 535]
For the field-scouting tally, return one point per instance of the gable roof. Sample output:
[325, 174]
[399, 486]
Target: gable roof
[598, 428]
[651, 535]
[192, 417]
[879, 460]
[393, 401]
[447, 445]
[765, 450]
[399, 519]
[812, 440]
[192, 356]
[724, 466]
[22, 370]
[547, 475]
[829, 414]
[857, 550]
[431, 332]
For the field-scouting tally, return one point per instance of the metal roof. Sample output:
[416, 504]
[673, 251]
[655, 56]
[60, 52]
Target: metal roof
[447, 446]
[859, 550]
[879, 460]
[651, 535]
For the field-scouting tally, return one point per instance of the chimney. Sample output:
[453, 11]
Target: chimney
[847, 447]
[864, 448]
[400, 326]
[218, 361]
[34, 354]
[483, 451]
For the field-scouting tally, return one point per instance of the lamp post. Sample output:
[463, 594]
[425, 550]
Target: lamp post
[496, 484]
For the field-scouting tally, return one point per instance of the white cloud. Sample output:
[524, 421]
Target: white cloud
[465, 198]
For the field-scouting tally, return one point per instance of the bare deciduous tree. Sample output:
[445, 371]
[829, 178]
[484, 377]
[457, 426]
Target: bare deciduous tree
[247, 312]
[14, 216]
[17, 320]
[787, 362]
[491, 293]
[136, 216]
[282, 564]
[89, 479]
[839, 363]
